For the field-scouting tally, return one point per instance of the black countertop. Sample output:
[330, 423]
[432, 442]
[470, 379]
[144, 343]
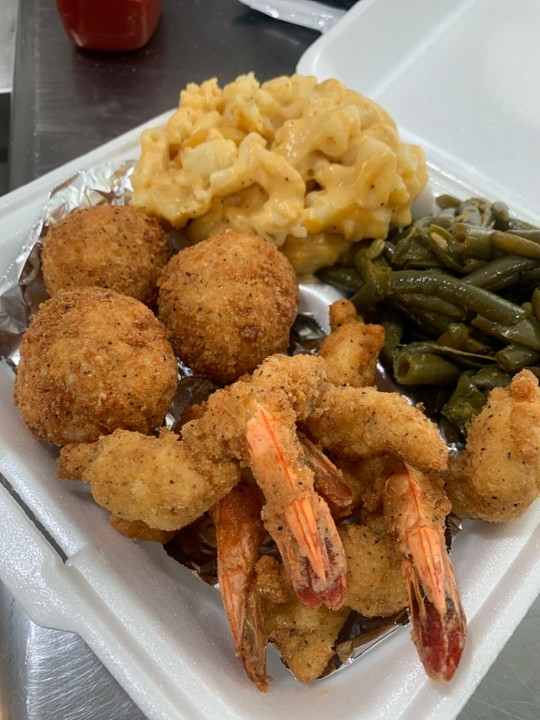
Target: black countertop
[67, 102]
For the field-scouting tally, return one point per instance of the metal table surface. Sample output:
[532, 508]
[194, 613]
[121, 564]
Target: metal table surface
[65, 103]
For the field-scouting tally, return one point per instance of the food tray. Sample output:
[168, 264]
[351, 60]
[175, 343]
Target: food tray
[161, 631]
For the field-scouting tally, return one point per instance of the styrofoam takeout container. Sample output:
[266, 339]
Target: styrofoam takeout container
[160, 630]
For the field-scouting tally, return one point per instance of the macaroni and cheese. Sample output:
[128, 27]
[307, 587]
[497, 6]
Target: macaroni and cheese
[311, 167]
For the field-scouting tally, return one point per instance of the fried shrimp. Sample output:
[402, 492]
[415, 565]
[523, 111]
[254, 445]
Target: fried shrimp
[363, 422]
[375, 586]
[94, 360]
[229, 302]
[116, 247]
[304, 637]
[414, 508]
[352, 349]
[155, 480]
[497, 477]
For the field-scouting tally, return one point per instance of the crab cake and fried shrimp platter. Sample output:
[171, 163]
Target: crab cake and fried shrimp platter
[229, 302]
[94, 360]
[116, 247]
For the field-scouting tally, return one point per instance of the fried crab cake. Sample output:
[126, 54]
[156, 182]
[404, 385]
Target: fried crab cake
[91, 361]
[116, 247]
[229, 302]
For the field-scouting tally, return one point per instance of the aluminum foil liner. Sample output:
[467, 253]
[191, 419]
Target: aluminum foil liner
[22, 290]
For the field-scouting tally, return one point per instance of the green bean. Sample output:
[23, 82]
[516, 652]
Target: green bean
[525, 332]
[528, 234]
[501, 215]
[531, 278]
[470, 394]
[412, 250]
[470, 241]
[453, 290]
[456, 355]
[499, 273]
[434, 304]
[417, 368]
[465, 402]
[515, 357]
[458, 335]
[425, 321]
[447, 201]
[490, 377]
[392, 323]
[439, 242]
[375, 275]
[535, 302]
[345, 278]
[515, 244]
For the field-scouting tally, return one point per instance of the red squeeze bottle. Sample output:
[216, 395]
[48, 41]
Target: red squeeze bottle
[109, 24]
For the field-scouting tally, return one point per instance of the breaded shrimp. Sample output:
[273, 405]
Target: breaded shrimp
[150, 479]
[304, 637]
[497, 477]
[375, 585]
[138, 530]
[352, 349]
[364, 422]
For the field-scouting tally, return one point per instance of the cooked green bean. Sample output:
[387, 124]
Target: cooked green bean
[470, 394]
[447, 201]
[491, 377]
[535, 303]
[464, 402]
[528, 234]
[525, 332]
[457, 355]
[500, 273]
[459, 336]
[433, 303]
[392, 323]
[458, 289]
[417, 368]
[471, 241]
[513, 357]
[515, 244]
[453, 290]
[344, 278]
[414, 252]
[501, 215]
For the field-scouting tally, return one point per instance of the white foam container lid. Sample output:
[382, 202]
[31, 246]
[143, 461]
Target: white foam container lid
[161, 631]
[460, 77]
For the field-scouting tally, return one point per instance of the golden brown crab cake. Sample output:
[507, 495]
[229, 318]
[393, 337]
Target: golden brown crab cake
[229, 302]
[110, 246]
[94, 360]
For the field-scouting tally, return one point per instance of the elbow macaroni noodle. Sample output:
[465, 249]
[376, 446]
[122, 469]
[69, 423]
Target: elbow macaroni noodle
[311, 167]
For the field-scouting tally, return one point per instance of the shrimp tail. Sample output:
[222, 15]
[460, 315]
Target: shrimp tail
[439, 636]
[239, 533]
[297, 517]
[415, 510]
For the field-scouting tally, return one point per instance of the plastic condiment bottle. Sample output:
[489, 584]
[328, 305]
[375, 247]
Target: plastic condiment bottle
[109, 24]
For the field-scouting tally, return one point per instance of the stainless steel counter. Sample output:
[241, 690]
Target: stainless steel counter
[66, 102]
